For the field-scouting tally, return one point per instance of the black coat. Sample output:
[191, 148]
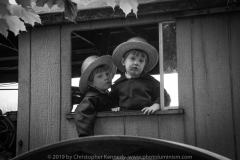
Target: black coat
[85, 113]
[137, 93]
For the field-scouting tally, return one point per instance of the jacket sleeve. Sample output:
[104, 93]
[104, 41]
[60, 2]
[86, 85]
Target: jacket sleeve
[167, 98]
[84, 116]
[114, 96]
[156, 94]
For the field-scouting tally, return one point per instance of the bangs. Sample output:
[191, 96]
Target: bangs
[99, 69]
[136, 52]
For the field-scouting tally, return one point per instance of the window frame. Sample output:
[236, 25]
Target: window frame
[161, 62]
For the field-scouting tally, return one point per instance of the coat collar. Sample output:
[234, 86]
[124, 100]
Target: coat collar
[93, 92]
[143, 76]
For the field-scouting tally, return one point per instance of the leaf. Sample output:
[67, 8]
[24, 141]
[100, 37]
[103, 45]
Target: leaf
[16, 10]
[30, 17]
[70, 7]
[15, 24]
[70, 10]
[5, 2]
[111, 3]
[50, 3]
[3, 27]
[128, 5]
[59, 3]
[24, 3]
[4, 10]
[41, 3]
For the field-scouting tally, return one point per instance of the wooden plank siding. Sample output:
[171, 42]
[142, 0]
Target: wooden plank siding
[45, 86]
[24, 96]
[214, 129]
[234, 25]
[185, 82]
[109, 126]
[209, 83]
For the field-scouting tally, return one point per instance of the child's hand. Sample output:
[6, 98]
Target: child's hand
[150, 110]
[116, 109]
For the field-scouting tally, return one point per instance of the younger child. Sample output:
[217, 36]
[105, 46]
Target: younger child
[96, 79]
[135, 89]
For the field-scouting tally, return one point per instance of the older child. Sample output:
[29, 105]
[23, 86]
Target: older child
[135, 89]
[96, 79]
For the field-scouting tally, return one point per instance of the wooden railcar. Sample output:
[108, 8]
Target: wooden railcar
[208, 52]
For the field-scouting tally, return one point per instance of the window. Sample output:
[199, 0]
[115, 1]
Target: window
[103, 41]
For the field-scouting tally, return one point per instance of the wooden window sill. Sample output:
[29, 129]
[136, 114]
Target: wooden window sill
[131, 113]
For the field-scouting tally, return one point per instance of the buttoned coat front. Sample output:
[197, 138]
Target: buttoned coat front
[137, 93]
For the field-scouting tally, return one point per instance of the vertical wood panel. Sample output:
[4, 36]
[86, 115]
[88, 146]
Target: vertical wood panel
[142, 126]
[109, 126]
[45, 86]
[24, 96]
[213, 110]
[68, 129]
[235, 73]
[171, 128]
[185, 87]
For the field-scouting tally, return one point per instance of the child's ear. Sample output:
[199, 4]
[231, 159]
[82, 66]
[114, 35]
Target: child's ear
[123, 61]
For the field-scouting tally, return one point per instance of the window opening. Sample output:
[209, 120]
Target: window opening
[103, 41]
[169, 75]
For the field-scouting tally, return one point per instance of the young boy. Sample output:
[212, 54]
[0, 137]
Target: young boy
[96, 79]
[135, 89]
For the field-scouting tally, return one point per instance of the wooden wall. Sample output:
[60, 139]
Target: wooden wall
[209, 81]
[209, 86]
[39, 88]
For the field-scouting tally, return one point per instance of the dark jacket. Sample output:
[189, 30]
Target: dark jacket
[137, 93]
[85, 113]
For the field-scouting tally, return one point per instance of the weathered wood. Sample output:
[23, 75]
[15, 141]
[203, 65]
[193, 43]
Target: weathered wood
[235, 75]
[131, 113]
[109, 126]
[24, 96]
[184, 67]
[67, 128]
[171, 127]
[141, 126]
[45, 86]
[212, 95]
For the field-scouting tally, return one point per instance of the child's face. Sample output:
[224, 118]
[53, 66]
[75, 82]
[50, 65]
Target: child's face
[102, 81]
[134, 64]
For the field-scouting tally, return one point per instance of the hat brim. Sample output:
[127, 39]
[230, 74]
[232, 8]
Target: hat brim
[151, 52]
[103, 60]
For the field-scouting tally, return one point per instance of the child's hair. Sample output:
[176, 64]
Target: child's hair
[98, 69]
[136, 52]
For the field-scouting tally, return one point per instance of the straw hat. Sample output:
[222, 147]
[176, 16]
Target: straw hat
[90, 64]
[136, 43]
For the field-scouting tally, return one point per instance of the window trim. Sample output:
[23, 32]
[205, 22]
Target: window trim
[171, 111]
[161, 67]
